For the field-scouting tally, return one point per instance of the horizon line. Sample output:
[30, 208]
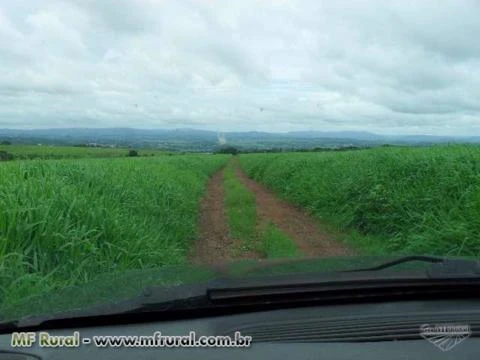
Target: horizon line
[234, 131]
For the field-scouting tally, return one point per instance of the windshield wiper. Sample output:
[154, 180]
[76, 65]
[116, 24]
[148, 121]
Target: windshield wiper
[446, 276]
[402, 260]
[442, 267]
[150, 300]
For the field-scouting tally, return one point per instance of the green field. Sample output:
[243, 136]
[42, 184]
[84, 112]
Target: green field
[65, 222]
[389, 200]
[73, 222]
[25, 152]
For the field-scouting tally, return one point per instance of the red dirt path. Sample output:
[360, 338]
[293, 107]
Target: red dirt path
[214, 245]
[297, 223]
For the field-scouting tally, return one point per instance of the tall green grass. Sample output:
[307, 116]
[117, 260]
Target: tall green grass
[66, 222]
[28, 152]
[402, 200]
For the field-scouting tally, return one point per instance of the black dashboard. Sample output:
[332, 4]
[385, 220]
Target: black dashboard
[371, 331]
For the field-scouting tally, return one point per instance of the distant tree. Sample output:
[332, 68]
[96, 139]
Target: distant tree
[228, 150]
[5, 142]
[5, 156]
[132, 153]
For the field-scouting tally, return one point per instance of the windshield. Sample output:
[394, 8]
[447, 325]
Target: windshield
[164, 143]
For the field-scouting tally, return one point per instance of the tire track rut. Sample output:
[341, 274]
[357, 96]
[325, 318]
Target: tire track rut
[215, 246]
[296, 222]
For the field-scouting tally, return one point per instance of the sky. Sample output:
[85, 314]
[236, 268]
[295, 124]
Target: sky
[390, 67]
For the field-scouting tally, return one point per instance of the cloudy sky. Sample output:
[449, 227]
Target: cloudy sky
[383, 66]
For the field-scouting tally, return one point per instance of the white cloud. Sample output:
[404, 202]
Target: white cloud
[249, 65]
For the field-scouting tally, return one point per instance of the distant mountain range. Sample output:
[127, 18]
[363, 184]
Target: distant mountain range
[204, 140]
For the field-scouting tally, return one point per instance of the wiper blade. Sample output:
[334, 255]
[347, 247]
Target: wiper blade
[401, 260]
[445, 275]
[150, 299]
[442, 267]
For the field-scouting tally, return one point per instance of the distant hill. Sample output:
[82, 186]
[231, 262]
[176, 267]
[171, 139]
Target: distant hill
[185, 139]
[357, 135]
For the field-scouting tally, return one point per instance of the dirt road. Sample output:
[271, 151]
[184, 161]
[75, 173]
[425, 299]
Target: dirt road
[214, 245]
[300, 226]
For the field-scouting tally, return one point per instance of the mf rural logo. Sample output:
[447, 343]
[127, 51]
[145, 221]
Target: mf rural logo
[445, 336]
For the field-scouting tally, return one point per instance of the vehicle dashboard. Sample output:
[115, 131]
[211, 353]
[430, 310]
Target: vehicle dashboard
[351, 331]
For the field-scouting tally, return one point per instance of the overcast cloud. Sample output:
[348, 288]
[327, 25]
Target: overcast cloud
[382, 66]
